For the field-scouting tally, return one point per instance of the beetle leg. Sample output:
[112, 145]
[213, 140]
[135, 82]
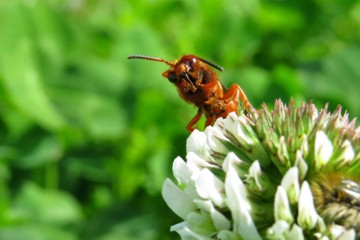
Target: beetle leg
[232, 96]
[235, 93]
[194, 120]
[210, 120]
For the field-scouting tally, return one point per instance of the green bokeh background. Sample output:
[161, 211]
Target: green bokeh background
[87, 136]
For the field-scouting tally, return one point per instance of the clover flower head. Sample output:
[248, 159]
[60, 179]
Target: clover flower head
[289, 173]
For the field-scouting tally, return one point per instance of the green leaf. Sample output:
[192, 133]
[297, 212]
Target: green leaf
[98, 115]
[47, 149]
[141, 227]
[337, 81]
[49, 207]
[24, 85]
[34, 231]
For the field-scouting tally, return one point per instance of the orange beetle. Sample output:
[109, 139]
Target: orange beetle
[197, 83]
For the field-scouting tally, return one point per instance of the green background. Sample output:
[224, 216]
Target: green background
[87, 136]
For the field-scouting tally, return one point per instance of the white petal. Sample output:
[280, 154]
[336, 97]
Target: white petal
[282, 152]
[323, 149]
[348, 153]
[201, 223]
[236, 125]
[191, 191]
[186, 233]
[219, 123]
[239, 206]
[230, 160]
[336, 230]
[304, 148]
[277, 230]
[339, 232]
[290, 182]
[282, 207]
[195, 164]
[181, 171]
[215, 140]
[347, 235]
[308, 216]
[219, 220]
[295, 233]
[320, 236]
[177, 200]
[231, 118]
[196, 143]
[208, 186]
[255, 172]
[301, 164]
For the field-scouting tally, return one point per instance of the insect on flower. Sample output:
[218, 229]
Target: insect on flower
[197, 83]
[337, 197]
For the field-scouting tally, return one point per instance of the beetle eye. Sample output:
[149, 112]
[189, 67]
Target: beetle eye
[190, 65]
[172, 77]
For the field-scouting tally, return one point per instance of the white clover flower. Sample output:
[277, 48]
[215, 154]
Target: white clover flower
[308, 217]
[282, 209]
[323, 149]
[290, 173]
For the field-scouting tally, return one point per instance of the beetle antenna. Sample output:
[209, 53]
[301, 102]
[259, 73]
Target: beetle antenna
[211, 64]
[151, 59]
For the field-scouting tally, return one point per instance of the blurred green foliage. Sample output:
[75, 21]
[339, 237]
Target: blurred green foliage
[88, 137]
